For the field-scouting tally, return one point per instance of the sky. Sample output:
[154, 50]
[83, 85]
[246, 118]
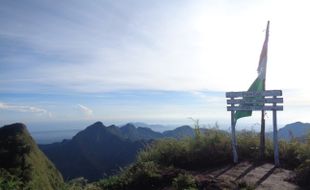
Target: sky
[153, 61]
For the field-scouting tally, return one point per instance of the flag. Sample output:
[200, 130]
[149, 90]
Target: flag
[259, 83]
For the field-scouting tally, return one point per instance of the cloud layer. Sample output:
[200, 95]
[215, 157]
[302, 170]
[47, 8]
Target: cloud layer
[177, 45]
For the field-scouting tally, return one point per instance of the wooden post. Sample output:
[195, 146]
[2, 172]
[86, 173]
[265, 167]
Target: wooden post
[262, 137]
[275, 138]
[233, 136]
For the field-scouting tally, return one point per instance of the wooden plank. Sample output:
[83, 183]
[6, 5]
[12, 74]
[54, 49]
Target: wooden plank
[255, 101]
[253, 94]
[254, 108]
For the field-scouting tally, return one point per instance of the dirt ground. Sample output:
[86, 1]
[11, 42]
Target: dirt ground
[246, 176]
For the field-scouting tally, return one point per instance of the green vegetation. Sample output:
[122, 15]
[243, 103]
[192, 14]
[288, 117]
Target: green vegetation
[23, 165]
[173, 158]
[184, 181]
[165, 163]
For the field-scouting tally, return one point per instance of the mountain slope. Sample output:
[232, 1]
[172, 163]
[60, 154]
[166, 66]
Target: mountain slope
[297, 130]
[98, 150]
[180, 132]
[21, 157]
[132, 132]
[92, 153]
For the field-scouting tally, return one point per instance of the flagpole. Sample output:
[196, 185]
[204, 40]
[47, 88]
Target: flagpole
[262, 132]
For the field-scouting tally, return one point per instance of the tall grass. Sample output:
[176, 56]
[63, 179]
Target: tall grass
[206, 150]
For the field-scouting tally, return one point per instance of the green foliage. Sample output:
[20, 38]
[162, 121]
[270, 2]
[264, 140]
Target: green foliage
[9, 181]
[303, 170]
[205, 150]
[196, 127]
[184, 182]
[248, 145]
[159, 165]
[303, 173]
[23, 165]
[142, 175]
[190, 153]
[79, 184]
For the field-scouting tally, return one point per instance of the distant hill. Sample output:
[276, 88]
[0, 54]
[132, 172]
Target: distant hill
[21, 157]
[297, 130]
[101, 150]
[93, 153]
[156, 127]
[180, 132]
[132, 132]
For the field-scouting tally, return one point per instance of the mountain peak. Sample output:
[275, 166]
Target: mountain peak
[14, 128]
[21, 157]
[97, 124]
[297, 129]
[96, 129]
[184, 127]
[128, 127]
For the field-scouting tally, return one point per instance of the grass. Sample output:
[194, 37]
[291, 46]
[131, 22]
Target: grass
[202, 152]
[166, 162]
[23, 165]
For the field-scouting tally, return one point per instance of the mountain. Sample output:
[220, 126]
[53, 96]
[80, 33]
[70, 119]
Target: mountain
[101, 150]
[21, 157]
[156, 127]
[180, 132]
[93, 153]
[297, 130]
[132, 132]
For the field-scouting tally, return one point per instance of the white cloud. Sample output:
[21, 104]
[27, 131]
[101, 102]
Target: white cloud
[177, 46]
[197, 45]
[88, 113]
[23, 108]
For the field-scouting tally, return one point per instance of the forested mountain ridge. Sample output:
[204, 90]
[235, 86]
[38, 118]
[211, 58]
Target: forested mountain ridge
[22, 163]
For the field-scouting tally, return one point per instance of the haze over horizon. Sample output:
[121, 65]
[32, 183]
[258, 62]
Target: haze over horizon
[149, 61]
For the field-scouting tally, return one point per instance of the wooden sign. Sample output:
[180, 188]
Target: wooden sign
[255, 101]
[254, 108]
[254, 94]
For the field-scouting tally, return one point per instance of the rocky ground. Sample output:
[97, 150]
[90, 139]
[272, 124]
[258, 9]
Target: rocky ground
[246, 175]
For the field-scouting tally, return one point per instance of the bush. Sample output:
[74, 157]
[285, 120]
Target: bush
[184, 182]
[205, 150]
[143, 175]
[248, 145]
[209, 149]
[9, 181]
[303, 174]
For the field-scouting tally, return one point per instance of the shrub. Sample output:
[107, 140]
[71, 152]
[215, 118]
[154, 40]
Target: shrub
[209, 149]
[184, 182]
[143, 175]
[303, 174]
[248, 145]
[9, 181]
[205, 150]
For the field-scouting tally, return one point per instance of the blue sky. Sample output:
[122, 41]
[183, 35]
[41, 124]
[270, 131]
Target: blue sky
[153, 61]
